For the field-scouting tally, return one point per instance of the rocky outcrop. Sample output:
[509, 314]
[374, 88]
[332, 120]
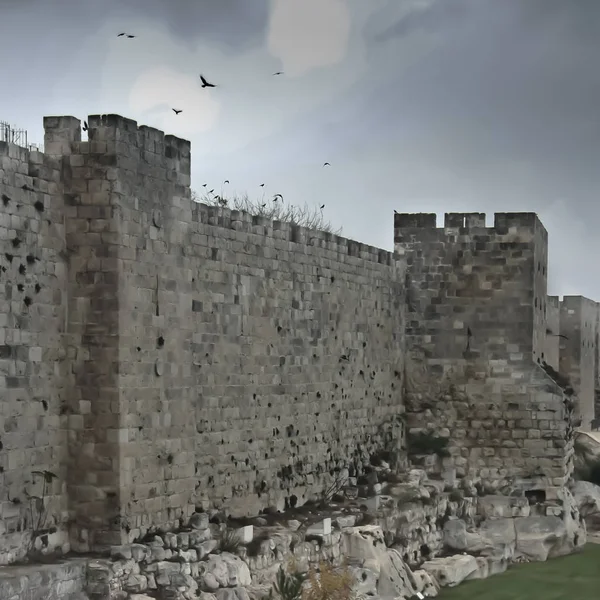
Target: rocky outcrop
[406, 539]
[587, 499]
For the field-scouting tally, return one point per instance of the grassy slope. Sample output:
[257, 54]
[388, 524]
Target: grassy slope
[575, 577]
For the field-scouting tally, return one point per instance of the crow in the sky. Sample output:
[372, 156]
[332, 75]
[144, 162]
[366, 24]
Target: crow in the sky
[322, 206]
[262, 185]
[205, 83]
[176, 111]
[326, 165]
[126, 35]
[226, 181]
[85, 126]
[277, 196]
[278, 73]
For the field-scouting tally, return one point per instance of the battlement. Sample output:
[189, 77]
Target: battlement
[502, 221]
[246, 222]
[116, 135]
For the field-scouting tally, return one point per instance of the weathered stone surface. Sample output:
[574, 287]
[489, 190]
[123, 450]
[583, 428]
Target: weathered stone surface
[365, 548]
[587, 497]
[451, 570]
[226, 570]
[501, 507]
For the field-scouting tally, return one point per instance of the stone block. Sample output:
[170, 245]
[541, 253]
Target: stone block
[321, 528]
[245, 534]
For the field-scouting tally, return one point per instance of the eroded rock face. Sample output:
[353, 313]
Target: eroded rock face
[396, 556]
[587, 498]
[451, 570]
[364, 547]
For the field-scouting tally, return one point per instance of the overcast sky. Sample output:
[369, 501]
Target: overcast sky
[419, 105]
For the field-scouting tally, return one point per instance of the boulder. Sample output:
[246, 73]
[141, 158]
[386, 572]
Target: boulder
[494, 537]
[226, 570]
[365, 550]
[539, 536]
[587, 498]
[451, 570]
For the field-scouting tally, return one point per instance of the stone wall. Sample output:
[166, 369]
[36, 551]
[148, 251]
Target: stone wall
[578, 355]
[476, 330]
[34, 374]
[213, 358]
[551, 351]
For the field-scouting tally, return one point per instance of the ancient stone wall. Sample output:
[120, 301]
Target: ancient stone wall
[34, 374]
[212, 358]
[551, 350]
[476, 330]
[578, 355]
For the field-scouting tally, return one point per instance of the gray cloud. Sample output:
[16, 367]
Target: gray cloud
[417, 18]
[502, 112]
[233, 25]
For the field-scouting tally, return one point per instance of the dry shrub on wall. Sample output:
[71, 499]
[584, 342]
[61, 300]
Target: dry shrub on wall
[329, 583]
[271, 209]
[324, 582]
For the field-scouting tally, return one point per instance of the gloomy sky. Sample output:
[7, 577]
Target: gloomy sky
[419, 105]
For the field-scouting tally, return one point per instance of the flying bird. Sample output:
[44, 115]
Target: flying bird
[176, 111]
[204, 184]
[226, 181]
[85, 126]
[277, 196]
[205, 83]
[278, 73]
[322, 206]
[262, 185]
[211, 191]
[130, 36]
[126, 35]
[326, 164]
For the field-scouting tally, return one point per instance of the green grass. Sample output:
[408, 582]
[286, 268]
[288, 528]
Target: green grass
[574, 577]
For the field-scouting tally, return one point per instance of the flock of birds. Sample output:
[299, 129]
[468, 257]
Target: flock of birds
[206, 84]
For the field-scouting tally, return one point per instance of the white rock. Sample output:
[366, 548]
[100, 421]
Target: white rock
[587, 497]
[321, 528]
[245, 534]
[228, 570]
[451, 570]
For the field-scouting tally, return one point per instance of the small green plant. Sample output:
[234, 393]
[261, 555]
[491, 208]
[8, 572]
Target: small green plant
[229, 541]
[427, 443]
[288, 586]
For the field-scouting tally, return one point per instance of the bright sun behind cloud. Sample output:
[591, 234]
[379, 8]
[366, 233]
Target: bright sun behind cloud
[153, 91]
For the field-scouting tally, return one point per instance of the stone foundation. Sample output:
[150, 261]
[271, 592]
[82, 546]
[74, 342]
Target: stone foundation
[411, 537]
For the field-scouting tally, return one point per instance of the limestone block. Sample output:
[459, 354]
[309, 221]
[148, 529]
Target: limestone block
[245, 534]
[321, 528]
[452, 570]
